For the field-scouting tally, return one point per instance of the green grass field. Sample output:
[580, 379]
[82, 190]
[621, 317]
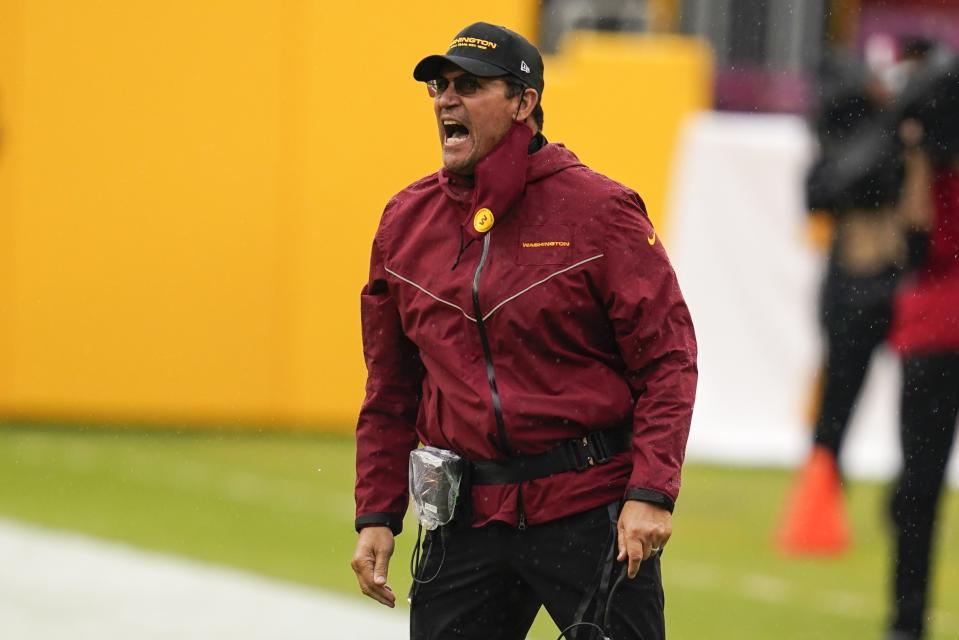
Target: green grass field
[281, 505]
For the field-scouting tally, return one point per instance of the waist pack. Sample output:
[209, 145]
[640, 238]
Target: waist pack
[436, 482]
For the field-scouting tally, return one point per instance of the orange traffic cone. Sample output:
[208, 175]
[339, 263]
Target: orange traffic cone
[815, 522]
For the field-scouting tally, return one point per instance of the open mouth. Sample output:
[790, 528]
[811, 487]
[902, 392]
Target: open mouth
[456, 132]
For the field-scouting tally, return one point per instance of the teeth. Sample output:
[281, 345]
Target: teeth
[455, 131]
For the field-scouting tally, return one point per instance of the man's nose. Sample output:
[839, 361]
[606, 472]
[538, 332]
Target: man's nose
[449, 97]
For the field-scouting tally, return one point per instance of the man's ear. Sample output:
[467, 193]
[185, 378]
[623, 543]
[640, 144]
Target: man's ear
[527, 103]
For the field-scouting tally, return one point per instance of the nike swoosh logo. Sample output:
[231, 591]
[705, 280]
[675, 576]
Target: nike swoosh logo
[652, 239]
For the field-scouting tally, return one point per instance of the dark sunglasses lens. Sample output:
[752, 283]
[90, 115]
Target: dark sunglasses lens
[463, 85]
[438, 86]
[466, 85]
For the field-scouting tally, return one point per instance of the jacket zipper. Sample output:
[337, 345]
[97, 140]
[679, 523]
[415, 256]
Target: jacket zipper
[487, 354]
[491, 374]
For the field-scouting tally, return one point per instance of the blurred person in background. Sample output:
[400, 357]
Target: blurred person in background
[866, 254]
[925, 331]
[522, 313]
[857, 182]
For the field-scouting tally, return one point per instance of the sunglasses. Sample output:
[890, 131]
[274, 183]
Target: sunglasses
[464, 85]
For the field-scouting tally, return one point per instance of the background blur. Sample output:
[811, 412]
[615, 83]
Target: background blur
[188, 193]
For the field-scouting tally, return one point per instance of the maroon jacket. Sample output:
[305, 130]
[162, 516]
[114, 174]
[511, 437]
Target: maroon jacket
[585, 325]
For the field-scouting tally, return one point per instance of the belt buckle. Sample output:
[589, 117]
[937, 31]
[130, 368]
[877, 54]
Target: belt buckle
[579, 453]
[588, 451]
[599, 451]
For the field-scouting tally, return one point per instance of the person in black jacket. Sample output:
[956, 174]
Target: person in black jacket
[867, 253]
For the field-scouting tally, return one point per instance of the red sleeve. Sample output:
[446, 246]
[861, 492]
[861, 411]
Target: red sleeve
[654, 332]
[386, 429]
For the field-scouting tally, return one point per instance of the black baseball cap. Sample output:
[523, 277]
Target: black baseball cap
[486, 50]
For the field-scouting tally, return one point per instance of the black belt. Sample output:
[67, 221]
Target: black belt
[577, 454]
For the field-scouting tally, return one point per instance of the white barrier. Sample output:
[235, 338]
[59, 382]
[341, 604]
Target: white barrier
[738, 242]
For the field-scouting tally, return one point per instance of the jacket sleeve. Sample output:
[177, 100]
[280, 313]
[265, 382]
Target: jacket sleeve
[386, 429]
[654, 332]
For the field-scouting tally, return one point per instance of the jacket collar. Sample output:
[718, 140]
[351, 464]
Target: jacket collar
[500, 178]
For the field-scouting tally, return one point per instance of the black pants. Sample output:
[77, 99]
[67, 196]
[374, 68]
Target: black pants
[930, 408]
[856, 314]
[493, 580]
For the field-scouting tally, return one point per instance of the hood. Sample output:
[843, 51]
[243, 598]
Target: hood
[552, 158]
[501, 177]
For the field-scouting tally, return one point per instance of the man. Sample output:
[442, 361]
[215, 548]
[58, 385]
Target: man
[522, 313]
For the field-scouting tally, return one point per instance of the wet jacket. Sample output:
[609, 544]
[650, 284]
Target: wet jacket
[504, 317]
[926, 317]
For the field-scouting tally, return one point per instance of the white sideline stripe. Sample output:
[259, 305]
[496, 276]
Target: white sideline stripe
[494, 309]
[56, 585]
[536, 284]
[427, 292]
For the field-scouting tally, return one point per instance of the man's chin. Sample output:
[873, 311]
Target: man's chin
[458, 164]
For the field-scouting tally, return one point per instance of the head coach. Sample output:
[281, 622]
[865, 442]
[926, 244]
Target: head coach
[522, 314]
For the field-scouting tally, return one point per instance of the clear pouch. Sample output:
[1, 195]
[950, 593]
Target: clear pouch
[435, 479]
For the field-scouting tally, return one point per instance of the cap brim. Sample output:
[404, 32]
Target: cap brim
[430, 67]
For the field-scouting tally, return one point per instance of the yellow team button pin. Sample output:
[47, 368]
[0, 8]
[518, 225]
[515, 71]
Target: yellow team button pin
[483, 220]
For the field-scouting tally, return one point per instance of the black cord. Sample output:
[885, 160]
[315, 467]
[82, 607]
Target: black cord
[606, 611]
[612, 592]
[600, 582]
[415, 557]
[588, 624]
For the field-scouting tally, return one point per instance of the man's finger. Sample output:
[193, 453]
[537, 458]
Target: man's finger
[651, 550]
[621, 542]
[635, 552]
[368, 585]
[383, 595]
[381, 567]
[362, 564]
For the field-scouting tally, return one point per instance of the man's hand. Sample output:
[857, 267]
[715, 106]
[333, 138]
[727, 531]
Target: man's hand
[642, 531]
[371, 561]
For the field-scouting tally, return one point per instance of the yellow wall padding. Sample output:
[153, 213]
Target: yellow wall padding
[188, 190]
